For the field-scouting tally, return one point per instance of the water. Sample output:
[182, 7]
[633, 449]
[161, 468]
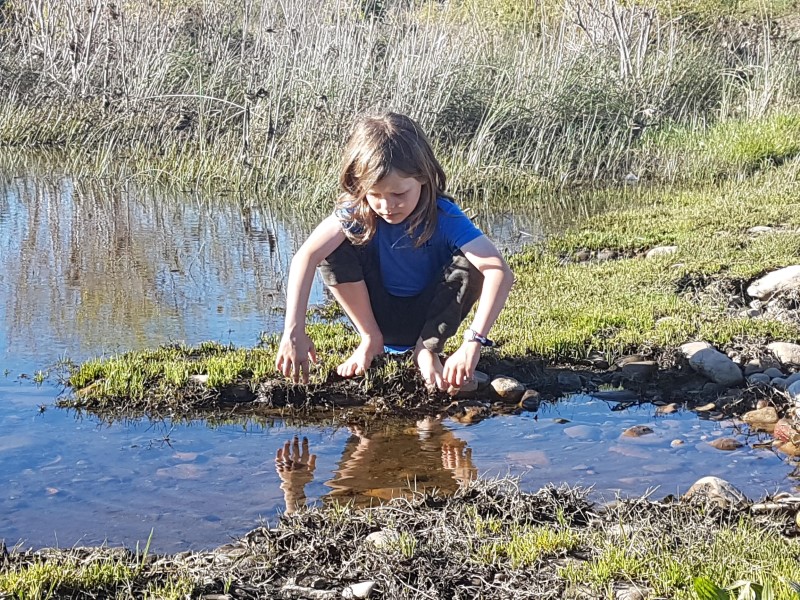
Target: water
[87, 268]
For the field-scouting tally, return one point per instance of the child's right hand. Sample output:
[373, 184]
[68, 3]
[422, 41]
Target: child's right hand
[294, 353]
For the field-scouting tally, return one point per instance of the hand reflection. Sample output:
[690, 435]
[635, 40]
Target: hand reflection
[458, 459]
[295, 467]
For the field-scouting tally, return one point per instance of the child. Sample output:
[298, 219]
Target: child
[403, 261]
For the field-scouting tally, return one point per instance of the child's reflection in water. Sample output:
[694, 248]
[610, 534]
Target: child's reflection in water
[383, 464]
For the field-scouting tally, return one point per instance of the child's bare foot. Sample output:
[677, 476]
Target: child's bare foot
[430, 367]
[361, 359]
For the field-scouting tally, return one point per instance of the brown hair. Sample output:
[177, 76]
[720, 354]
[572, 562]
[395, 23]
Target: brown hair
[378, 143]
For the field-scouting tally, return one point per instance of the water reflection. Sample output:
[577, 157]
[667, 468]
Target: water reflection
[90, 267]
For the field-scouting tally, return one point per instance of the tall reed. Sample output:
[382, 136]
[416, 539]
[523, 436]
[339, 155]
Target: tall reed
[260, 93]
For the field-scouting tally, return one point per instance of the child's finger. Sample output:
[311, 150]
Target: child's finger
[312, 353]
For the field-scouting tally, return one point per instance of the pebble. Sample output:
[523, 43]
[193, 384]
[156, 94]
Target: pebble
[667, 409]
[706, 407]
[359, 590]
[726, 443]
[530, 400]
[507, 389]
[676, 443]
[661, 251]
[759, 378]
[713, 490]
[773, 372]
[637, 431]
[766, 415]
[385, 538]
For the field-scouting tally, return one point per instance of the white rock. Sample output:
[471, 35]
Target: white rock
[359, 590]
[710, 362]
[776, 282]
[713, 490]
[788, 354]
[507, 389]
[758, 229]
[201, 379]
[661, 251]
[385, 538]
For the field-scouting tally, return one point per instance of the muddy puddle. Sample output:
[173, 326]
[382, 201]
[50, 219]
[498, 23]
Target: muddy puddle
[87, 269]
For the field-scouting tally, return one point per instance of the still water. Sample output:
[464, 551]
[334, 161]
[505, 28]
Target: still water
[88, 268]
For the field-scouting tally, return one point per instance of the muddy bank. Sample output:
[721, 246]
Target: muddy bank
[488, 540]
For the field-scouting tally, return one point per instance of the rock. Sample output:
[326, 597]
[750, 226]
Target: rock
[359, 590]
[717, 492]
[794, 393]
[773, 372]
[776, 282]
[785, 432]
[725, 443]
[752, 366]
[630, 591]
[676, 443]
[570, 381]
[710, 362]
[507, 389]
[605, 255]
[759, 378]
[667, 409]
[779, 383]
[767, 415]
[637, 431]
[639, 371]
[582, 256]
[712, 389]
[706, 407]
[383, 539]
[788, 354]
[482, 379]
[468, 389]
[759, 229]
[661, 251]
[530, 400]
[199, 379]
[791, 379]
[621, 362]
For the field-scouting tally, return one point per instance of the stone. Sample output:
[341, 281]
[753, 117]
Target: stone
[605, 255]
[773, 372]
[383, 539]
[507, 389]
[676, 443]
[706, 407]
[359, 590]
[637, 431]
[582, 256]
[779, 383]
[639, 371]
[766, 415]
[794, 393]
[725, 443]
[754, 365]
[712, 389]
[759, 229]
[199, 379]
[788, 354]
[711, 363]
[482, 379]
[630, 591]
[715, 491]
[776, 282]
[661, 251]
[791, 379]
[667, 409]
[759, 378]
[570, 381]
[530, 400]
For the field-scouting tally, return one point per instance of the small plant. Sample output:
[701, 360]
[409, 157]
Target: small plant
[39, 377]
[705, 589]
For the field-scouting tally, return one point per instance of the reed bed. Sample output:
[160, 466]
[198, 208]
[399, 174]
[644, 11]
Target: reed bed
[259, 94]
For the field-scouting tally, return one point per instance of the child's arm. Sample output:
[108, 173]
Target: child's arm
[296, 348]
[497, 282]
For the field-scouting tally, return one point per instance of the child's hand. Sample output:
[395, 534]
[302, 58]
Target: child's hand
[460, 367]
[294, 354]
[361, 359]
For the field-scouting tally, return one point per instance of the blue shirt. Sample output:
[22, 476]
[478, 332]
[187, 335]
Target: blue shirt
[407, 270]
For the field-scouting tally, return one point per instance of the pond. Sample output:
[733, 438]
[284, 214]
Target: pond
[90, 268]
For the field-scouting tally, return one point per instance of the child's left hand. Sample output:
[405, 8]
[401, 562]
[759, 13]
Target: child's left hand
[460, 366]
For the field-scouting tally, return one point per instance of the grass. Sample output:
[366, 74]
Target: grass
[258, 95]
[488, 540]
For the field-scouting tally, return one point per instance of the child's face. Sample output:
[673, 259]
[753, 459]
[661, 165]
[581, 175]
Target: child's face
[394, 197]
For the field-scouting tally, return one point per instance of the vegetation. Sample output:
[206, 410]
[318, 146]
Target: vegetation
[488, 540]
[259, 94]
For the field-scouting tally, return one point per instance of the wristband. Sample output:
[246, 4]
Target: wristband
[470, 335]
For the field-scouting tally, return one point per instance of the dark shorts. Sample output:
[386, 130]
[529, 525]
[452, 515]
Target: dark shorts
[434, 315]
